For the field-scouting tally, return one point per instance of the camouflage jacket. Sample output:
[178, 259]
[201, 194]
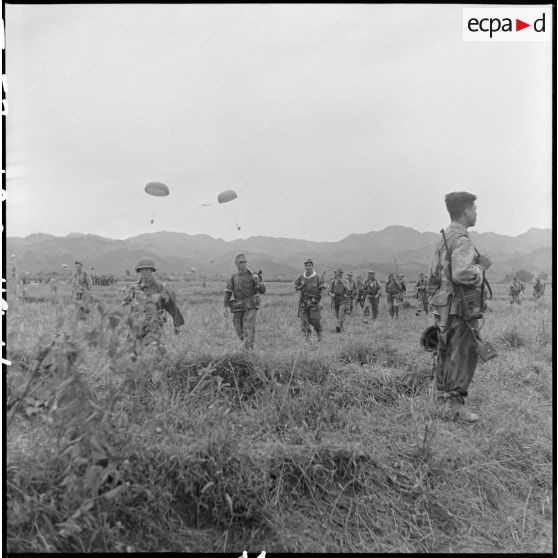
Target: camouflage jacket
[421, 286]
[338, 289]
[517, 287]
[465, 271]
[394, 287]
[145, 295]
[351, 287]
[371, 288]
[81, 281]
[309, 287]
[244, 288]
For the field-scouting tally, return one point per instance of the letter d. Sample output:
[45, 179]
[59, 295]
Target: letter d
[535, 25]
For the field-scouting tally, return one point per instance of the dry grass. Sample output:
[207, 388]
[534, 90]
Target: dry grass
[332, 447]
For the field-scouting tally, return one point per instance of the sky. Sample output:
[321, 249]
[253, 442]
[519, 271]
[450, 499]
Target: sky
[325, 119]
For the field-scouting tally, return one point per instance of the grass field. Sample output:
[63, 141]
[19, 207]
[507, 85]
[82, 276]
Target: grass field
[331, 447]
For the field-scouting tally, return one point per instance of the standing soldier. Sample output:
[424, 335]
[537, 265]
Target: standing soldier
[340, 297]
[151, 299]
[394, 292]
[81, 290]
[310, 285]
[516, 288]
[242, 297]
[358, 289]
[351, 286]
[370, 292]
[456, 282]
[422, 294]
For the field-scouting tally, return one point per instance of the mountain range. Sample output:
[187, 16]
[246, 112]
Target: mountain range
[180, 254]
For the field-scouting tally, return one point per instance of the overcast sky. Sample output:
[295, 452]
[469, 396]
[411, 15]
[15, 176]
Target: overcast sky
[325, 119]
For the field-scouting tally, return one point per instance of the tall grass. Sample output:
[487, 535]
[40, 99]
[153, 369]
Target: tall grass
[293, 447]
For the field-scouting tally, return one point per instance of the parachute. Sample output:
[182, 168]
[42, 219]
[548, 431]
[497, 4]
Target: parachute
[193, 270]
[226, 196]
[156, 189]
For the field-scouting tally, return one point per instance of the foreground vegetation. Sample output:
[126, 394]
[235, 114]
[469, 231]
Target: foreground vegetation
[337, 447]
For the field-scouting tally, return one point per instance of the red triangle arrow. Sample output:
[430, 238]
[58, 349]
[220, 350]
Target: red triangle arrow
[519, 25]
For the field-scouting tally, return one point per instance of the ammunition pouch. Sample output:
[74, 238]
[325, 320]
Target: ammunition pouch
[472, 299]
[244, 304]
[310, 300]
[441, 304]
[486, 350]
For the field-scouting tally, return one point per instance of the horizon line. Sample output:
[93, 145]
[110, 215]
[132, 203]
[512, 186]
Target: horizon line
[264, 236]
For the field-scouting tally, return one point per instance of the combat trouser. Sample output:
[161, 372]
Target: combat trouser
[423, 300]
[371, 306]
[350, 303]
[340, 307]
[81, 300]
[311, 316]
[456, 358]
[393, 305]
[245, 326]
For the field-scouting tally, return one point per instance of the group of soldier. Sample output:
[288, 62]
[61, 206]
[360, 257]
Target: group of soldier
[347, 294]
[518, 287]
[456, 291]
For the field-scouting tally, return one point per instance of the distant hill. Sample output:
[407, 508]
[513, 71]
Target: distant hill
[178, 253]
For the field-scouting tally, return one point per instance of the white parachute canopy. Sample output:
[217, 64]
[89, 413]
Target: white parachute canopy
[159, 190]
[226, 197]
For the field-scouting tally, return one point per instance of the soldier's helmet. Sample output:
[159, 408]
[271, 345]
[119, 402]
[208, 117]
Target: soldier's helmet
[429, 339]
[309, 261]
[339, 270]
[371, 273]
[145, 263]
[349, 274]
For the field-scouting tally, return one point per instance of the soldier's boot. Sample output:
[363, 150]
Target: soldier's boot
[319, 334]
[338, 328]
[456, 410]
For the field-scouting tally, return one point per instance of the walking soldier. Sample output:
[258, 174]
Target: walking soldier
[351, 286]
[370, 292]
[151, 300]
[394, 292]
[340, 297]
[81, 290]
[310, 285]
[242, 297]
[422, 294]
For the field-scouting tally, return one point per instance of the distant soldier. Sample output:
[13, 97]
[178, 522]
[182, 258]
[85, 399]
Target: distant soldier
[516, 288]
[358, 289]
[310, 285]
[370, 293]
[538, 288]
[394, 293]
[150, 299]
[242, 297]
[403, 290]
[351, 286]
[422, 293]
[340, 298]
[81, 290]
